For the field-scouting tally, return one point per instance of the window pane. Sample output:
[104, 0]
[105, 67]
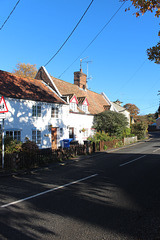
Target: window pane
[56, 112]
[15, 135]
[33, 111]
[61, 132]
[85, 108]
[34, 136]
[73, 107]
[7, 133]
[38, 111]
[38, 137]
[11, 133]
[19, 136]
[52, 112]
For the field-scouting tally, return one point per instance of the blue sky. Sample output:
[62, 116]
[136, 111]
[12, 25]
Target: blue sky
[119, 66]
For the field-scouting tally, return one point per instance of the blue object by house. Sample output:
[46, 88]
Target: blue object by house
[66, 142]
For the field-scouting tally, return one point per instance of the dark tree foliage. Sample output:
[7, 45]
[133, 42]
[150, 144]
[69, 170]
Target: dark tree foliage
[110, 122]
[154, 53]
[139, 129]
[157, 113]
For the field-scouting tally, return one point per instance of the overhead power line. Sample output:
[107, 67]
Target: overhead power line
[94, 38]
[9, 15]
[134, 74]
[70, 34]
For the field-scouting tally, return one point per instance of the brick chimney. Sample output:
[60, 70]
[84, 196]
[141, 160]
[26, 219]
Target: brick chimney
[80, 79]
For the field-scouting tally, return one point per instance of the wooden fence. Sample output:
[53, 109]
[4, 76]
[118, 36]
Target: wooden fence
[26, 160]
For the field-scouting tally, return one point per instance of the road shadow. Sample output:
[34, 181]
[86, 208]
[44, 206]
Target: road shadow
[121, 201]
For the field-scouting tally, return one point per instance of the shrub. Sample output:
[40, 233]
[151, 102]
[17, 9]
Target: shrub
[127, 133]
[100, 136]
[110, 122]
[105, 147]
[139, 129]
[29, 146]
[10, 145]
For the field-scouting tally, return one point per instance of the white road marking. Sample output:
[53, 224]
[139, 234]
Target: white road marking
[47, 191]
[156, 150]
[132, 161]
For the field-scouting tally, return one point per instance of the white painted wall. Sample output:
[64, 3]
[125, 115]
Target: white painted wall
[79, 122]
[20, 118]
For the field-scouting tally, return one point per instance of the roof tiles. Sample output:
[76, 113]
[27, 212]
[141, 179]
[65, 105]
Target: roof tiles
[26, 88]
[96, 100]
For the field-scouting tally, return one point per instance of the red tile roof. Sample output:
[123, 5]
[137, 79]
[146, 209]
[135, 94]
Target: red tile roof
[26, 88]
[96, 100]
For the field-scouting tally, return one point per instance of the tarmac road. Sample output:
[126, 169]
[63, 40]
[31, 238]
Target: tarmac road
[114, 196]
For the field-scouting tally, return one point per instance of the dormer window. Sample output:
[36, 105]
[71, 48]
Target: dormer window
[83, 104]
[73, 103]
[85, 108]
[73, 106]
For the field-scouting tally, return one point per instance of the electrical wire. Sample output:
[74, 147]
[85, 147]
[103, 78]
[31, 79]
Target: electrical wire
[139, 68]
[70, 34]
[94, 38]
[9, 15]
[149, 107]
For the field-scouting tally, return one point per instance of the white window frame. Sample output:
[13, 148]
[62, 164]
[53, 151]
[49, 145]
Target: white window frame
[36, 136]
[73, 106]
[36, 111]
[54, 112]
[15, 134]
[85, 108]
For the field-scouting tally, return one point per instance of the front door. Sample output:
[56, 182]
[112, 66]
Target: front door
[54, 138]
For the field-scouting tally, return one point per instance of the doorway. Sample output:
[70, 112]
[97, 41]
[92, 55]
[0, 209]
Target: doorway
[54, 138]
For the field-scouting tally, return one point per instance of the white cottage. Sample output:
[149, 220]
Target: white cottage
[36, 111]
[83, 103]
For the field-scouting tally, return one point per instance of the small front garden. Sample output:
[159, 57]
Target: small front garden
[112, 128]
[21, 156]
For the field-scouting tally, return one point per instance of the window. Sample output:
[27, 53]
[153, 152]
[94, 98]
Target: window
[71, 133]
[73, 107]
[33, 111]
[36, 111]
[85, 108]
[61, 132]
[16, 135]
[36, 136]
[54, 112]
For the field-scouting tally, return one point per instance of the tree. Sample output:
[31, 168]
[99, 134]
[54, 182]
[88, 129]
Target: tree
[142, 7]
[111, 122]
[133, 109]
[157, 113]
[147, 119]
[139, 129]
[25, 70]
